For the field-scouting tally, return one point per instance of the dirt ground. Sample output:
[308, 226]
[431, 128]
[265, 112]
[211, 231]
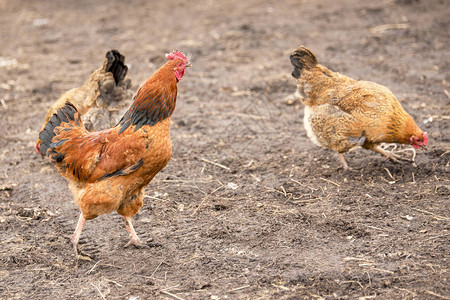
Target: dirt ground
[248, 207]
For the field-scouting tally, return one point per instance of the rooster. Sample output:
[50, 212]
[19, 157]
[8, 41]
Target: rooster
[105, 85]
[343, 114]
[108, 170]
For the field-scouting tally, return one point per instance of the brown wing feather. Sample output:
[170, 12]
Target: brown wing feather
[91, 156]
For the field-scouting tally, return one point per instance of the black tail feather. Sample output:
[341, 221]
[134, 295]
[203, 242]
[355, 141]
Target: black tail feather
[116, 65]
[64, 115]
[302, 58]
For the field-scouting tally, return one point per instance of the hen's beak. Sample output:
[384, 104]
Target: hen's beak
[188, 65]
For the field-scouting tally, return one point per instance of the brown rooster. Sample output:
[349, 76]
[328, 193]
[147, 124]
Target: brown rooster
[343, 114]
[108, 170]
[105, 85]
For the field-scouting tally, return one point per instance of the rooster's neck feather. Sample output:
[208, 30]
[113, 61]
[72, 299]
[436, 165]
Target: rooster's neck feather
[154, 101]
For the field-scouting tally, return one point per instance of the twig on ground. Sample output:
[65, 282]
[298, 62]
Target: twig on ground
[284, 191]
[152, 197]
[434, 237]
[92, 269]
[402, 289]
[157, 268]
[115, 282]
[240, 288]
[367, 297]
[436, 295]
[299, 183]
[307, 200]
[280, 287]
[437, 217]
[353, 281]
[381, 270]
[215, 164]
[447, 93]
[256, 178]
[171, 295]
[206, 197]
[99, 264]
[389, 173]
[357, 258]
[445, 153]
[329, 181]
[373, 227]
[98, 290]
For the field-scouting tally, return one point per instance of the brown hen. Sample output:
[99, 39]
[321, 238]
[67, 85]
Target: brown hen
[343, 114]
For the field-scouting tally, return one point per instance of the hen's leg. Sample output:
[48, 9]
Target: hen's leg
[135, 241]
[343, 162]
[389, 154]
[76, 235]
[395, 153]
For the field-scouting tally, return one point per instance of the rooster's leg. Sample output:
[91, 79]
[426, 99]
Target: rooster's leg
[76, 235]
[135, 241]
[343, 162]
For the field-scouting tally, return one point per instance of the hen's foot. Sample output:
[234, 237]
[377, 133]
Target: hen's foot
[396, 153]
[344, 165]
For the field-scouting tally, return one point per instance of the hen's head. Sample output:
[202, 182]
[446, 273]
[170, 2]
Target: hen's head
[182, 63]
[419, 141]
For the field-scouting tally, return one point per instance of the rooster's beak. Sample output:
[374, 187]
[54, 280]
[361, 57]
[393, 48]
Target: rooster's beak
[188, 65]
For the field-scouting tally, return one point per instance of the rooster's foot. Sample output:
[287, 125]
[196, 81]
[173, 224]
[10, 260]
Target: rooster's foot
[136, 243]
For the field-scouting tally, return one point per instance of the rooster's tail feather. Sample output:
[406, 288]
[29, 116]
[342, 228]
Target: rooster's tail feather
[65, 114]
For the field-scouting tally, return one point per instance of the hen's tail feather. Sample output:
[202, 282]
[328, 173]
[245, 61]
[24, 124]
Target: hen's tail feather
[116, 65]
[65, 114]
[302, 58]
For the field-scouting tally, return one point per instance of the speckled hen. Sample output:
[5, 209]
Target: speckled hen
[343, 114]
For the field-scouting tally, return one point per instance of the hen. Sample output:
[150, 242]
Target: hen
[105, 86]
[343, 114]
[108, 170]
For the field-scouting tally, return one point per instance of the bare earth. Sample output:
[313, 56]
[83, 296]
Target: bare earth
[248, 207]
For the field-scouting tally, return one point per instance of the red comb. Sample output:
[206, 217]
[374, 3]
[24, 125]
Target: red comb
[176, 55]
